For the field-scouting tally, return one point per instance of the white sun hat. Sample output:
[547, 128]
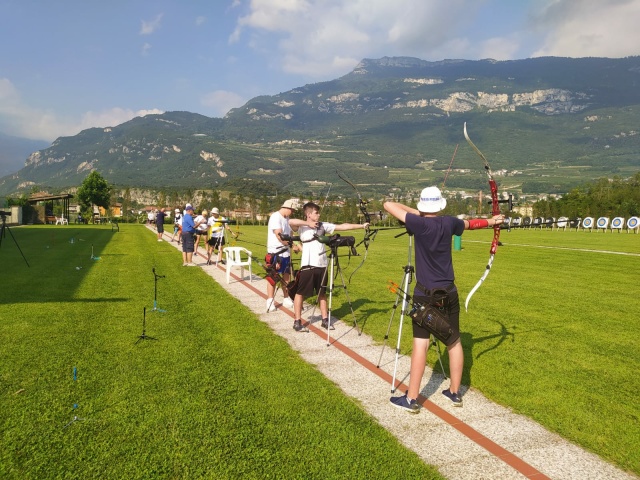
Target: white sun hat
[431, 200]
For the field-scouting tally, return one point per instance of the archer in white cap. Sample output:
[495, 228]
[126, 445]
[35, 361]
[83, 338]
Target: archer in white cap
[279, 252]
[433, 235]
[217, 225]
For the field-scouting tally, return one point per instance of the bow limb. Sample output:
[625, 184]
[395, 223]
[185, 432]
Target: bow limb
[368, 234]
[495, 210]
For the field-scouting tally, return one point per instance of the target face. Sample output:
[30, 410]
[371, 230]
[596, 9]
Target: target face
[527, 221]
[632, 222]
[587, 222]
[603, 222]
[617, 222]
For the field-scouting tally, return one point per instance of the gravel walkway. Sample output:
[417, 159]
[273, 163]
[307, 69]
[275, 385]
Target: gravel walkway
[481, 440]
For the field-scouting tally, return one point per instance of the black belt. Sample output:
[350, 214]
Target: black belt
[429, 293]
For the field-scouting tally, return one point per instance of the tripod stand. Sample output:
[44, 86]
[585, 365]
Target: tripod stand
[5, 228]
[144, 335]
[155, 291]
[406, 281]
[334, 262]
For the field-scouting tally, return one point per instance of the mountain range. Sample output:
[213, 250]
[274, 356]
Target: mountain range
[390, 125]
[14, 150]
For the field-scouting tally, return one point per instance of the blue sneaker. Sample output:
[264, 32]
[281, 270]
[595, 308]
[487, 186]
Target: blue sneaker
[454, 397]
[403, 402]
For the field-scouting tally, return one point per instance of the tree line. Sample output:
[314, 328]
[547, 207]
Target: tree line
[616, 197]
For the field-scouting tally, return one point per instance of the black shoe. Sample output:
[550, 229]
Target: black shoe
[325, 324]
[297, 325]
[405, 404]
[454, 397]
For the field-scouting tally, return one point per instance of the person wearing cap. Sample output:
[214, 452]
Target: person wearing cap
[160, 223]
[279, 251]
[434, 271]
[216, 225]
[312, 276]
[188, 232]
[177, 224]
[201, 230]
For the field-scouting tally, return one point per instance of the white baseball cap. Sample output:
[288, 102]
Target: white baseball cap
[431, 200]
[291, 204]
[215, 210]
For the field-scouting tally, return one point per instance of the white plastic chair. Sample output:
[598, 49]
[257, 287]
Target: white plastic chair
[234, 258]
[62, 221]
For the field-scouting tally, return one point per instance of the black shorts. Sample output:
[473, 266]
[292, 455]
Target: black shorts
[216, 242]
[160, 227]
[453, 315]
[312, 280]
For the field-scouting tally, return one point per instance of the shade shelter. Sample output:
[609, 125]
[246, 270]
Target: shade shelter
[48, 200]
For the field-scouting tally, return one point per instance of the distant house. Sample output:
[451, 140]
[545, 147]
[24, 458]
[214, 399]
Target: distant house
[115, 210]
[240, 214]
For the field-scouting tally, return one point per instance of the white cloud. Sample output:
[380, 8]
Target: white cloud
[148, 27]
[200, 20]
[221, 101]
[499, 48]
[111, 117]
[8, 92]
[145, 49]
[321, 39]
[590, 28]
[21, 120]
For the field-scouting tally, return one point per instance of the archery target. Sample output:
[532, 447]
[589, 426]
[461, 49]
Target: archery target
[574, 223]
[562, 222]
[602, 222]
[617, 222]
[587, 222]
[537, 220]
[632, 223]
[516, 221]
[527, 221]
[549, 221]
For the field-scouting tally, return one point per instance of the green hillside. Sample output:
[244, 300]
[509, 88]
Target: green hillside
[545, 124]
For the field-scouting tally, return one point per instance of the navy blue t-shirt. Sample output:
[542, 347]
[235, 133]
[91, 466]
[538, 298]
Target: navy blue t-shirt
[434, 266]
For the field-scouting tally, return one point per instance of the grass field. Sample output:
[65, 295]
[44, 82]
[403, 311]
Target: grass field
[551, 334]
[218, 395]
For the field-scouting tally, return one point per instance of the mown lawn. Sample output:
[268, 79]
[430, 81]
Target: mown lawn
[217, 395]
[552, 332]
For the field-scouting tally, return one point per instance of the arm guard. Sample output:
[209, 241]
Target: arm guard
[476, 223]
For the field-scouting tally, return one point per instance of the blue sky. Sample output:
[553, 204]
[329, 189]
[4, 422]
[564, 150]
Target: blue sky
[68, 65]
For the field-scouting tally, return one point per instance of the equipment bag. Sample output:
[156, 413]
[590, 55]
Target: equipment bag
[435, 321]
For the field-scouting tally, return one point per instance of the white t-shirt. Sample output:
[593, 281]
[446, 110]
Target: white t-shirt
[277, 222]
[202, 228]
[313, 252]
